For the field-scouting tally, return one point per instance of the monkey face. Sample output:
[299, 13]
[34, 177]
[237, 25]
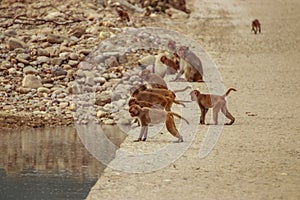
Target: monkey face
[194, 95]
[134, 110]
[145, 74]
[172, 45]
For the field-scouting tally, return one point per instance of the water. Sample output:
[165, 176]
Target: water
[48, 163]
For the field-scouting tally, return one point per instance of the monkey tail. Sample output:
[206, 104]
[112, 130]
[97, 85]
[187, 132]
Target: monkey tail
[175, 114]
[228, 91]
[178, 102]
[182, 90]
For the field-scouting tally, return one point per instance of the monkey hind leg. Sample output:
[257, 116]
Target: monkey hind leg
[228, 115]
[172, 128]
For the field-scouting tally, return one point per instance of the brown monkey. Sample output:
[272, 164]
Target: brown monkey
[195, 68]
[217, 102]
[142, 104]
[165, 102]
[148, 116]
[122, 14]
[173, 65]
[256, 26]
[164, 92]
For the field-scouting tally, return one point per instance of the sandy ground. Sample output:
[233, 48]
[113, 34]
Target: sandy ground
[259, 156]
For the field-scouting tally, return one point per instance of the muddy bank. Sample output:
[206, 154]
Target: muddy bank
[257, 157]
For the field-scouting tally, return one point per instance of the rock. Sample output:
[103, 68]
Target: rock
[100, 80]
[10, 33]
[111, 62]
[64, 55]
[31, 81]
[58, 71]
[101, 114]
[54, 39]
[108, 122]
[43, 52]
[12, 71]
[103, 98]
[30, 70]
[23, 90]
[56, 61]
[14, 43]
[42, 59]
[54, 15]
[41, 90]
[77, 32]
[73, 62]
[63, 104]
[85, 66]
[73, 56]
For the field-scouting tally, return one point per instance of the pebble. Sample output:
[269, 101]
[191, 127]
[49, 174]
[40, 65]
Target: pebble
[43, 52]
[31, 81]
[42, 59]
[14, 43]
[54, 39]
[30, 70]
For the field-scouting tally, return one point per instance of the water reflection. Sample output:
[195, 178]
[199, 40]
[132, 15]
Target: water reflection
[48, 163]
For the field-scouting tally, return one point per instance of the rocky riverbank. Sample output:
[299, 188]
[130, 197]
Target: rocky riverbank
[44, 44]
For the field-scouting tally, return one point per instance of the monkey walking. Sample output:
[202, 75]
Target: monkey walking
[256, 26]
[148, 116]
[216, 102]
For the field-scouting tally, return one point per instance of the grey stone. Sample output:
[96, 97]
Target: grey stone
[14, 43]
[73, 56]
[30, 70]
[43, 52]
[54, 39]
[111, 62]
[31, 81]
[103, 98]
[42, 59]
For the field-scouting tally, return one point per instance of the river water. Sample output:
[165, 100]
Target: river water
[47, 163]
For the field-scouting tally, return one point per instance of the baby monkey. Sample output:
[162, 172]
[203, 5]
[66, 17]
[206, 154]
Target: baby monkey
[148, 116]
[216, 102]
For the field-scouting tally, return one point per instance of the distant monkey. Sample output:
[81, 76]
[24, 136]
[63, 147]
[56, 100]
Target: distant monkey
[217, 102]
[148, 116]
[256, 26]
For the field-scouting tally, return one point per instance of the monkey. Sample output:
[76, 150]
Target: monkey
[122, 14]
[133, 101]
[148, 116]
[154, 80]
[173, 65]
[194, 71]
[164, 92]
[142, 104]
[165, 102]
[256, 26]
[217, 102]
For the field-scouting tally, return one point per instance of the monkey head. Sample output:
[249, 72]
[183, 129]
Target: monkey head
[132, 101]
[182, 51]
[134, 110]
[194, 95]
[145, 74]
[163, 59]
[172, 45]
